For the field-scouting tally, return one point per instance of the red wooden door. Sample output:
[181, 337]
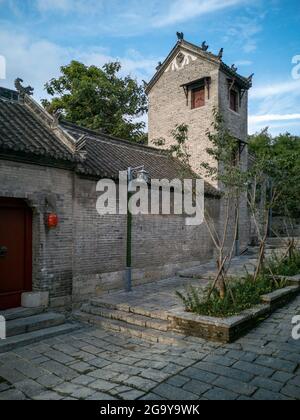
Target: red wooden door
[15, 251]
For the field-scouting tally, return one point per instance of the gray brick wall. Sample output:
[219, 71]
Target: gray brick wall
[52, 249]
[86, 254]
[168, 106]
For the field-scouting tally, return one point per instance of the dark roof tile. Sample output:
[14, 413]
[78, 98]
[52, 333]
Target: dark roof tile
[107, 156]
[22, 131]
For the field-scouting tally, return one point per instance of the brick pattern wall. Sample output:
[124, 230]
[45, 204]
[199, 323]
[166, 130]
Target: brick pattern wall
[45, 188]
[86, 254]
[168, 106]
[160, 245]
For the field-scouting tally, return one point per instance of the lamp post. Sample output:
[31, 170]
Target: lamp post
[142, 176]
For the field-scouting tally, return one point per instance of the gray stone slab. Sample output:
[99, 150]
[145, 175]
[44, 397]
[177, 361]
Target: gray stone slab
[101, 385]
[291, 391]
[254, 369]
[231, 372]
[199, 375]
[140, 383]
[278, 364]
[219, 394]
[266, 383]
[235, 386]
[30, 388]
[60, 370]
[12, 395]
[173, 393]
[197, 387]
[265, 395]
[282, 377]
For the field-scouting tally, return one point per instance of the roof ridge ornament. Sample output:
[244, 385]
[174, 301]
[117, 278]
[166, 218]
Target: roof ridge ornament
[159, 65]
[250, 78]
[220, 55]
[56, 117]
[23, 90]
[180, 36]
[234, 68]
[204, 46]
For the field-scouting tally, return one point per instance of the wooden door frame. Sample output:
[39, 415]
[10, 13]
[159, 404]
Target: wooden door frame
[21, 203]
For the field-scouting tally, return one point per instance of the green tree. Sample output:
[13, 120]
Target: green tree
[275, 182]
[279, 157]
[227, 171]
[99, 98]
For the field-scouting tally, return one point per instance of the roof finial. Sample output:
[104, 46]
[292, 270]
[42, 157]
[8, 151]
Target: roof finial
[220, 55]
[234, 68]
[21, 89]
[250, 78]
[145, 84]
[204, 46]
[56, 117]
[180, 36]
[159, 65]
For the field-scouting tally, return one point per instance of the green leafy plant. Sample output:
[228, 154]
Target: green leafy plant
[288, 266]
[241, 294]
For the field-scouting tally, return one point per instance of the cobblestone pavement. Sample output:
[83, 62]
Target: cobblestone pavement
[94, 364]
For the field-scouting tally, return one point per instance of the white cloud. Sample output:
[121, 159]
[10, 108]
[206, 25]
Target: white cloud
[182, 10]
[77, 6]
[46, 5]
[36, 62]
[243, 33]
[244, 63]
[261, 92]
[273, 117]
[275, 127]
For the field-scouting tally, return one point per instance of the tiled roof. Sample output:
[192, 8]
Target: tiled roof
[107, 156]
[244, 81]
[23, 132]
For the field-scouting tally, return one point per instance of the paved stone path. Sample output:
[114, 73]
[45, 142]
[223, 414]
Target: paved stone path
[160, 297]
[95, 364]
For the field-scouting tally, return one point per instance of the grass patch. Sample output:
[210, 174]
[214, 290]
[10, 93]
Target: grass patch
[245, 292]
[290, 266]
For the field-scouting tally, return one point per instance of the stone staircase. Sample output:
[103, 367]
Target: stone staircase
[132, 321]
[27, 326]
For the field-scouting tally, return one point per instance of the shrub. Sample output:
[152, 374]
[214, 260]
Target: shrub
[243, 294]
[290, 266]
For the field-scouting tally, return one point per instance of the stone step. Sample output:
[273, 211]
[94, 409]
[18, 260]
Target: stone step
[135, 331]
[33, 323]
[125, 307]
[128, 317]
[17, 313]
[21, 340]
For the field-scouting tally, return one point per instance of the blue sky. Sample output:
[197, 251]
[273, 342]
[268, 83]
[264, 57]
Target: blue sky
[259, 36]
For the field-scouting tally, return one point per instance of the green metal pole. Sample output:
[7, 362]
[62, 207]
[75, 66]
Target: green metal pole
[129, 240]
[129, 235]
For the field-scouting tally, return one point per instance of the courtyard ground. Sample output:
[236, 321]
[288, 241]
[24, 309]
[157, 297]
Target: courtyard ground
[94, 364]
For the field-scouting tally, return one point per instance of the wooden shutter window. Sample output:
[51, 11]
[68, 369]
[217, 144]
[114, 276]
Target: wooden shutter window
[234, 100]
[198, 97]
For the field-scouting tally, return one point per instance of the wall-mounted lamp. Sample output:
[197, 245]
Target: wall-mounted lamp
[51, 220]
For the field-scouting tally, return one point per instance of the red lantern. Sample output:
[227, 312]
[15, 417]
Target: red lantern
[52, 220]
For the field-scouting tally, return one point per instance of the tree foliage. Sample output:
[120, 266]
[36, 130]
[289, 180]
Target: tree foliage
[274, 177]
[99, 98]
[224, 168]
[279, 159]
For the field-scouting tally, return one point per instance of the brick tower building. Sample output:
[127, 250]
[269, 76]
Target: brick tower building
[186, 89]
